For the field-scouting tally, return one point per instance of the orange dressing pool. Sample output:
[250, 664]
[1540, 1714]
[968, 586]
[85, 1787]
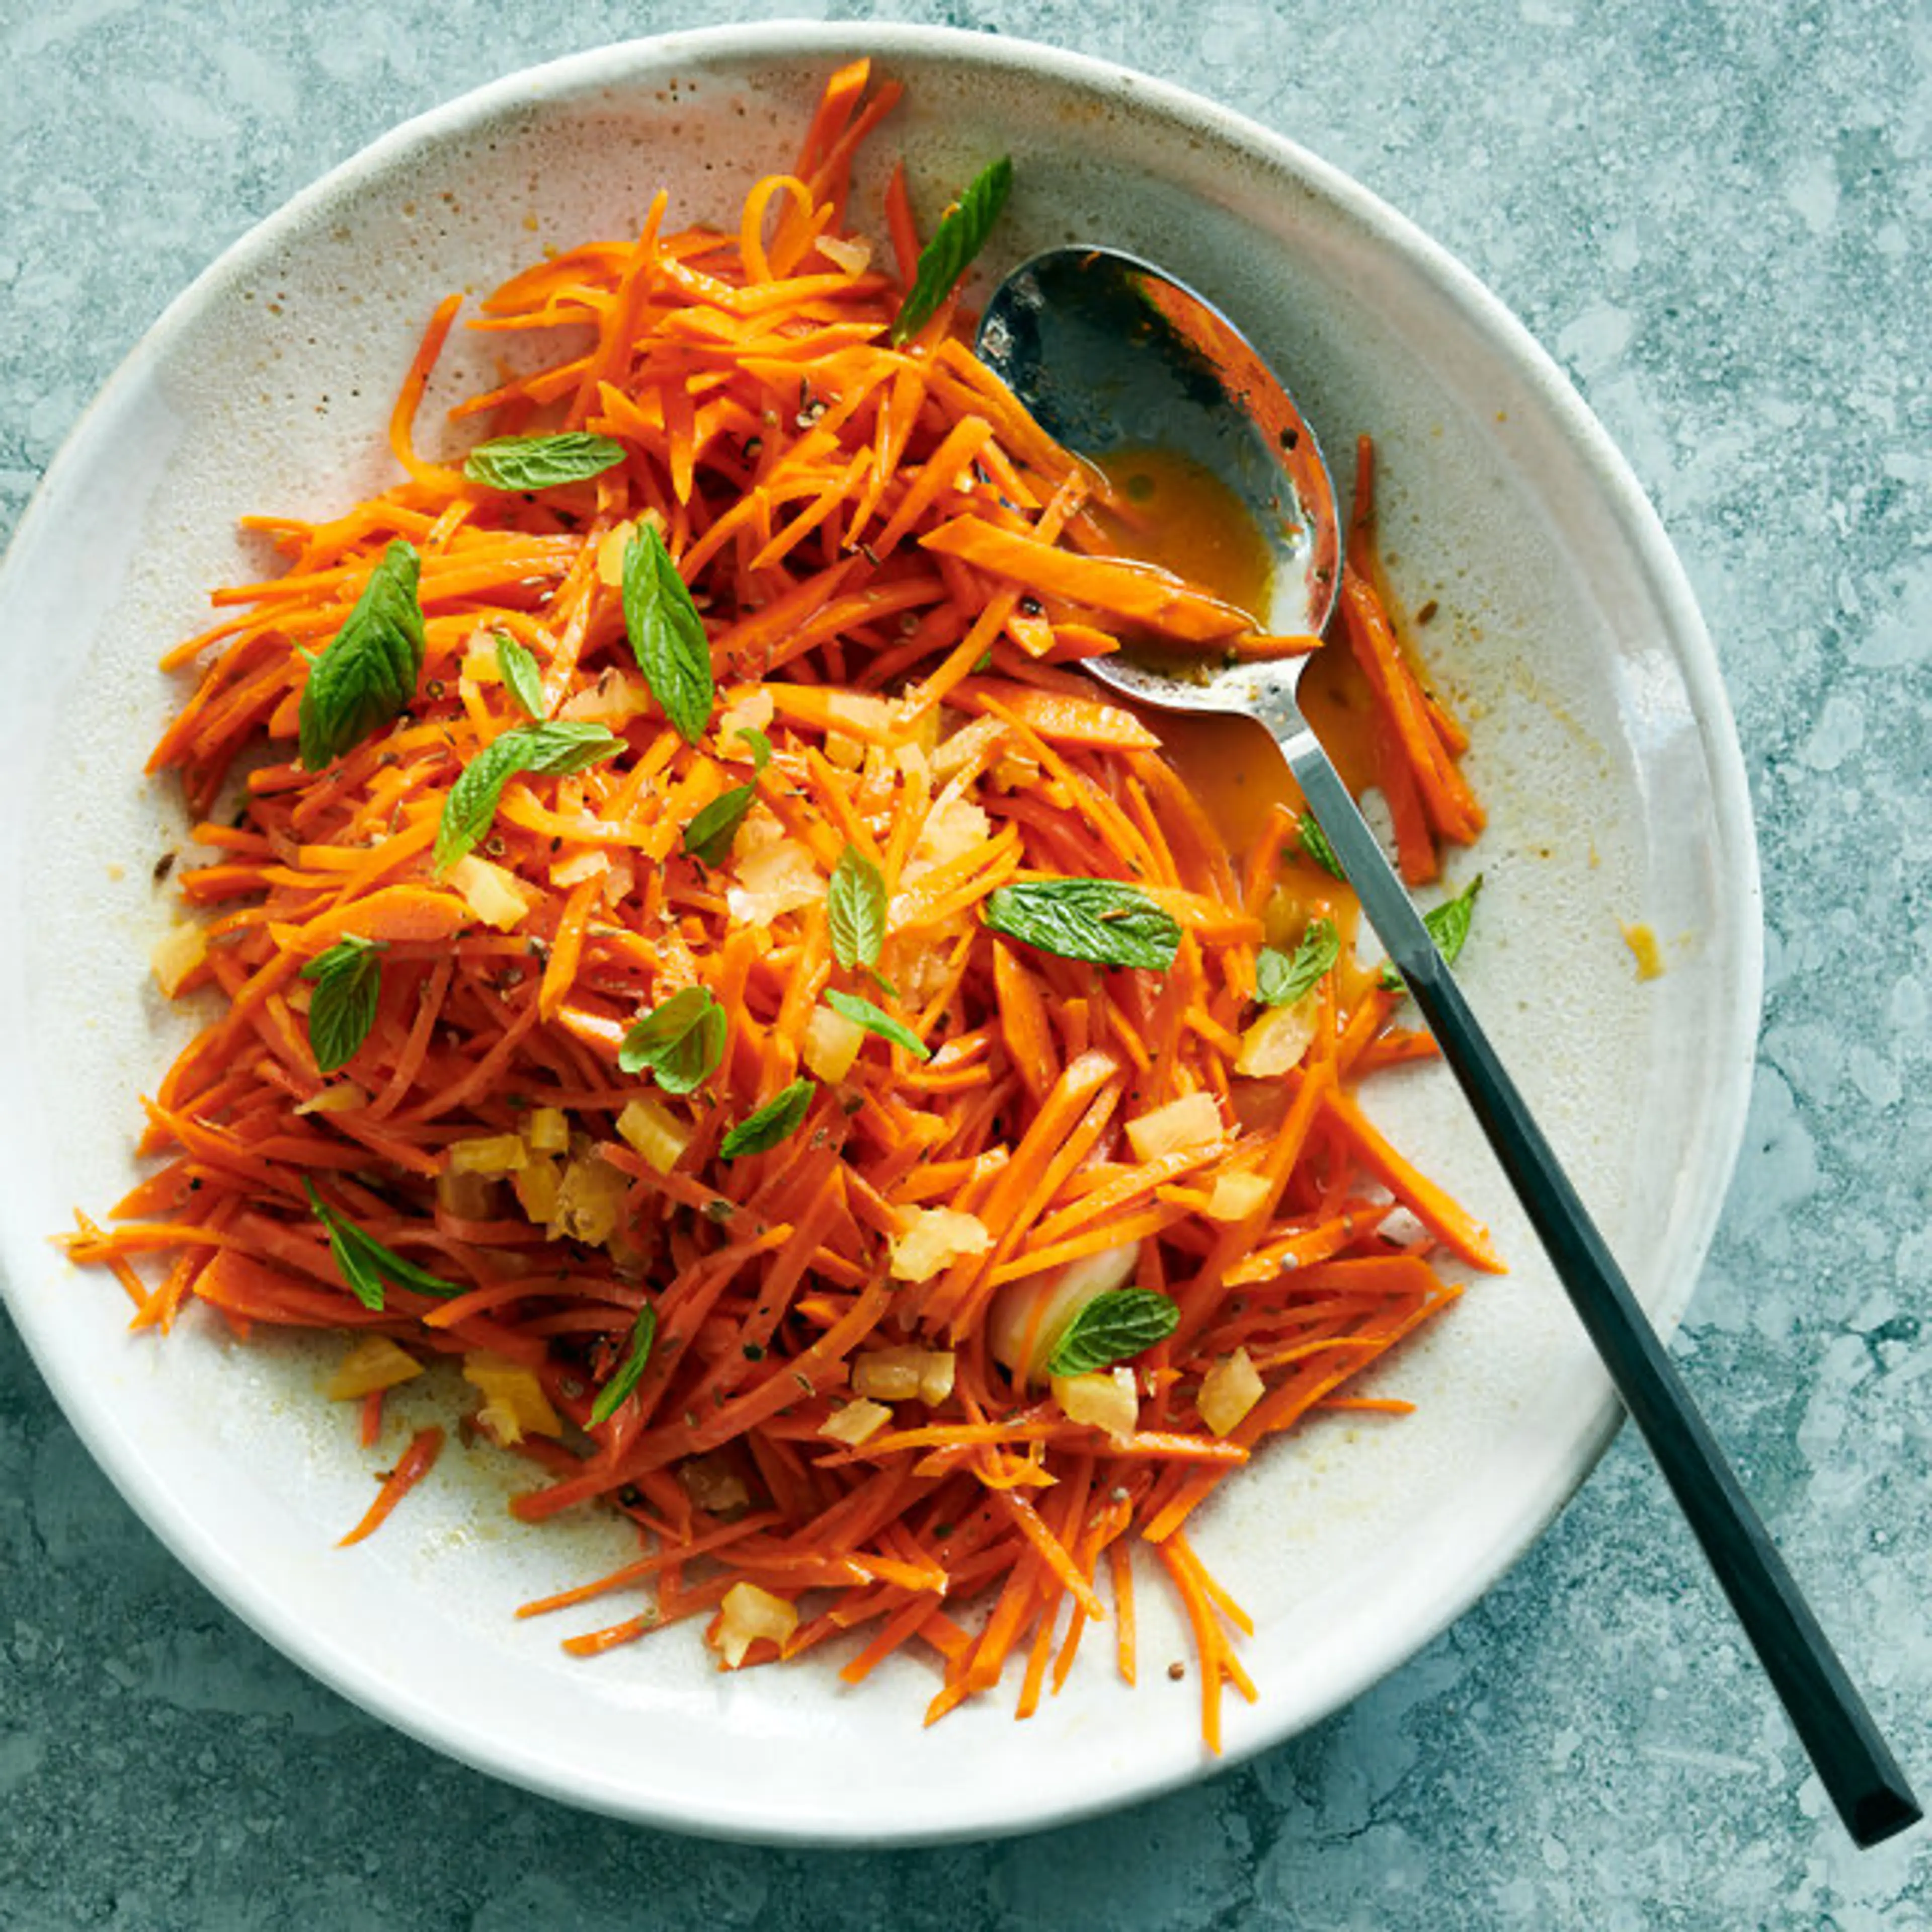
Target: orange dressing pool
[1175, 512]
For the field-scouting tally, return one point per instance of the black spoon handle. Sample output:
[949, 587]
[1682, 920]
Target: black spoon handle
[1860, 1773]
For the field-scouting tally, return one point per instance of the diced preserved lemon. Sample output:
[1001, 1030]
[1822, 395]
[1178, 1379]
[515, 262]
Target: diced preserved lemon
[654, 1132]
[344, 1097]
[1015, 771]
[538, 1184]
[962, 744]
[590, 1202]
[831, 1044]
[468, 1197]
[1193, 1121]
[614, 700]
[578, 866]
[713, 1483]
[548, 1130]
[514, 1405]
[898, 1375]
[1278, 1039]
[374, 1363]
[488, 1153]
[936, 1374]
[612, 544]
[857, 1422]
[620, 878]
[854, 256]
[924, 721]
[1228, 1390]
[776, 878]
[750, 710]
[1236, 1196]
[493, 894]
[747, 1614]
[870, 719]
[888, 1375]
[177, 953]
[1105, 1400]
[937, 1237]
[953, 827]
[925, 973]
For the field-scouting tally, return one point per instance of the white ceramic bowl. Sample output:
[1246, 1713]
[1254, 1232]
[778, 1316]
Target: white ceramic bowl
[1604, 747]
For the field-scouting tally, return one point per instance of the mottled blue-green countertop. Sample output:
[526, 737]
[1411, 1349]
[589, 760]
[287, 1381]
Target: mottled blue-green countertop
[1717, 213]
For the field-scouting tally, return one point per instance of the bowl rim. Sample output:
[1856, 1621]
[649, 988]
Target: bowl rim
[615, 66]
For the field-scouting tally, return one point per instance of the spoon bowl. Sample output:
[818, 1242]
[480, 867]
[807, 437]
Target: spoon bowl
[1108, 352]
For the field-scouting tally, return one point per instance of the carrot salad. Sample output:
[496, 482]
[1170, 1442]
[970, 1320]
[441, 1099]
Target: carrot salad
[683, 943]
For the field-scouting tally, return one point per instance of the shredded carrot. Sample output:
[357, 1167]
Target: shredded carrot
[840, 1397]
[415, 1463]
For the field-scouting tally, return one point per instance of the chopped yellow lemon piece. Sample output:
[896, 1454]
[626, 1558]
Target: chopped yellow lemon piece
[1228, 1390]
[493, 894]
[1193, 1121]
[488, 1153]
[374, 1363]
[899, 1374]
[654, 1132]
[857, 1422]
[937, 1237]
[514, 1405]
[176, 954]
[831, 1044]
[748, 1614]
[1278, 1039]
[1104, 1399]
[1236, 1196]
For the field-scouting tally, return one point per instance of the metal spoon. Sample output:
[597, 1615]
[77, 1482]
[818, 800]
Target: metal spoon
[1104, 349]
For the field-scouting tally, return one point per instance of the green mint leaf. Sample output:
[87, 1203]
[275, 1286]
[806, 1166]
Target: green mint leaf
[366, 1264]
[366, 674]
[1448, 925]
[855, 905]
[776, 1120]
[863, 1013]
[680, 1043]
[1281, 979]
[958, 238]
[1111, 1327]
[517, 668]
[1314, 841]
[761, 745]
[667, 634]
[708, 835]
[637, 1359]
[549, 751]
[364, 1283]
[541, 462]
[1097, 920]
[348, 982]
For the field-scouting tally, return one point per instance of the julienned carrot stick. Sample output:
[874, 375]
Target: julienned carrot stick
[1140, 593]
[415, 1463]
[715, 1111]
[1451, 1224]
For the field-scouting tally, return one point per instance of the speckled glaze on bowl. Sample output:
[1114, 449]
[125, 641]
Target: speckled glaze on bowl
[1603, 746]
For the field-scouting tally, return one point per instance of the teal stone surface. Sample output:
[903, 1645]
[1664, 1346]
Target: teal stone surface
[1716, 214]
